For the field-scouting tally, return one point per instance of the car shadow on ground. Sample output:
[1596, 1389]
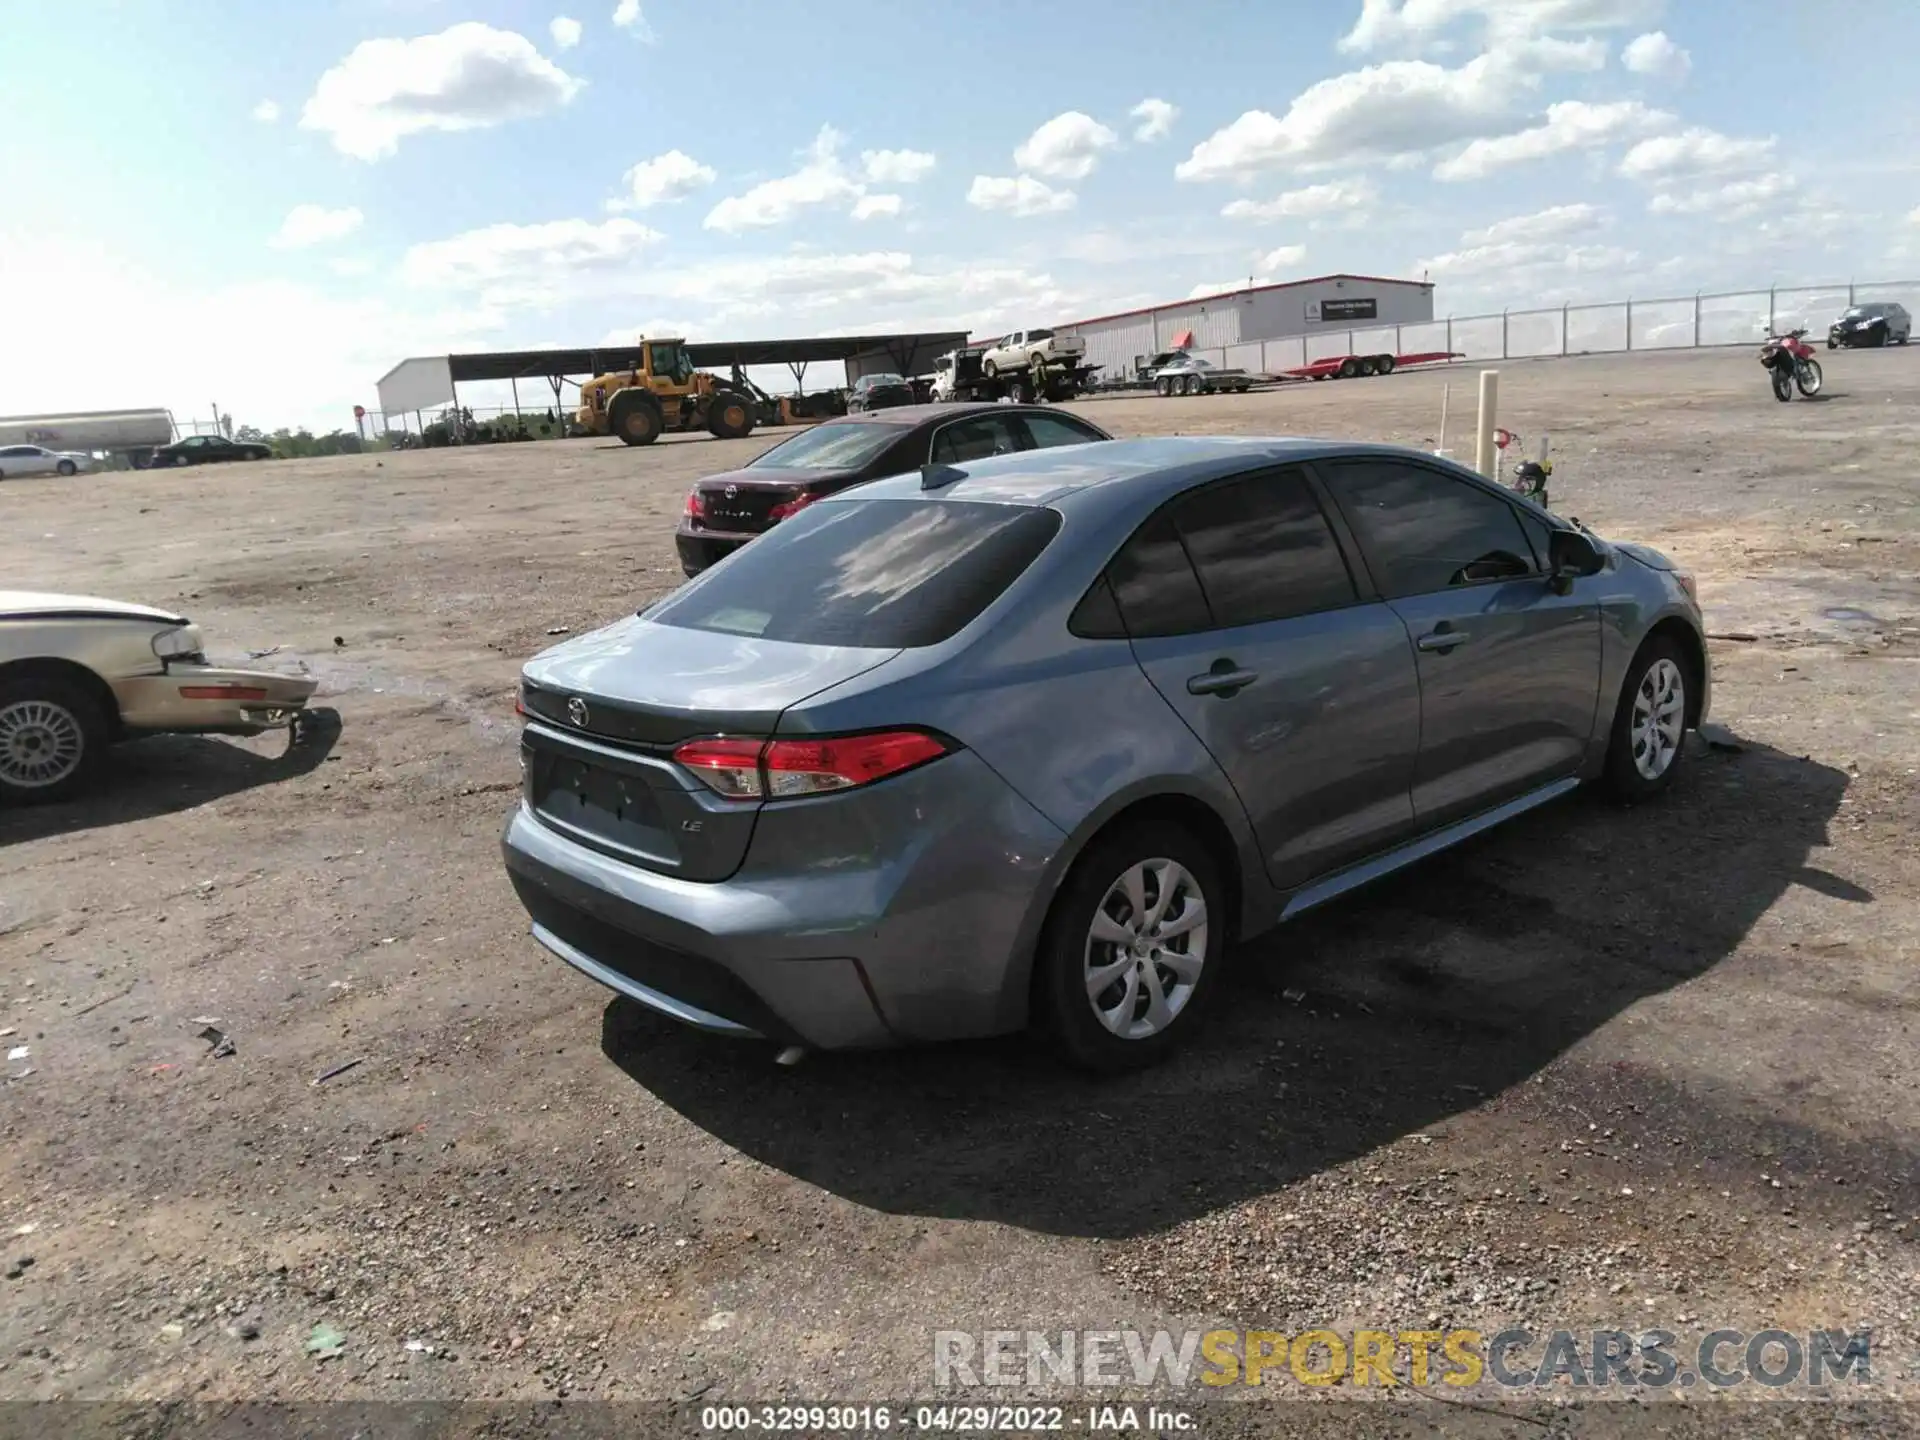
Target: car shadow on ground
[1373, 1019]
[165, 774]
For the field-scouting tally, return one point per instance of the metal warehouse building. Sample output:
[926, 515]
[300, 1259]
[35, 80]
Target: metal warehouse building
[1265, 328]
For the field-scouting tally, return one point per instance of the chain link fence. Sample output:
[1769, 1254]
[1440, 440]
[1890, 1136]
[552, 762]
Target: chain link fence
[1687, 322]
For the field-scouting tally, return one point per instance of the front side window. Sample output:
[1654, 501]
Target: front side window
[882, 574]
[1263, 550]
[1424, 531]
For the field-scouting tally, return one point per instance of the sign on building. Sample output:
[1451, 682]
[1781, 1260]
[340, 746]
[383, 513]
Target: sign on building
[1329, 311]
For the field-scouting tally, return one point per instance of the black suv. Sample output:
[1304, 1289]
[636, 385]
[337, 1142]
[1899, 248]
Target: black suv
[1880, 323]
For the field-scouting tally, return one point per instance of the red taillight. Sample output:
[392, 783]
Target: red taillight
[730, 767]
[223, 692]
[782, 769]
[788, 508]
[696, 506]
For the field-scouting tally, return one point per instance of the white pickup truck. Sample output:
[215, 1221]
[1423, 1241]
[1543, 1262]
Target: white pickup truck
[1032, 350]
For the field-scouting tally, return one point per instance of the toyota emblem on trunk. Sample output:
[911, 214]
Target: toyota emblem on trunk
[577, 711]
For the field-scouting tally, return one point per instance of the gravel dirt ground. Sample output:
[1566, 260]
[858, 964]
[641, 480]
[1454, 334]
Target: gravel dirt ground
[1629, 1069]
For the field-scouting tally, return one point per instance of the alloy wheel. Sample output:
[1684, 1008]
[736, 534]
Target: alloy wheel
[1146, 948]
[1659, 719]
[41, 744]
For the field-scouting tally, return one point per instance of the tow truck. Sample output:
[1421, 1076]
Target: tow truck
[959, 375]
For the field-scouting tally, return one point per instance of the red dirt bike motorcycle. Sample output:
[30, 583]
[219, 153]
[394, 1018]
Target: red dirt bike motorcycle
[1789, 359]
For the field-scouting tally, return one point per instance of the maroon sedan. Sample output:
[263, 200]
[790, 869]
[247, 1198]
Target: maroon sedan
[725, 511]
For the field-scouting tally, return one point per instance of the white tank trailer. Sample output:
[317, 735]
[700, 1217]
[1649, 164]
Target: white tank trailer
[133, 433]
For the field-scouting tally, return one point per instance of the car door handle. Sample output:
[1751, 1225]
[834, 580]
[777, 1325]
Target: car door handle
[1218, 681]
[1443, 639]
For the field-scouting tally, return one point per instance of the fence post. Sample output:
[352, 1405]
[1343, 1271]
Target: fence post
[1564, 310]
[1629, 324]
[1399, 345]
[1449, 339]
[1770, 310]
[1696, 319]
[1850, 299]
[1503, 334]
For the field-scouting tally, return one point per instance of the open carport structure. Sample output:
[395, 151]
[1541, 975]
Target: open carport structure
[431, 381]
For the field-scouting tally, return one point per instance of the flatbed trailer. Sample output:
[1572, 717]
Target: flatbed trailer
[1348, 367]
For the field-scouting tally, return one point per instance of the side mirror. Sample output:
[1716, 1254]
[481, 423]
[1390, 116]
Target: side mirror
[1571, 554]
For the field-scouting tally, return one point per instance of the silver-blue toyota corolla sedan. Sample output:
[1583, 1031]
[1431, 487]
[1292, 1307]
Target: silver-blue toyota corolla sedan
[1034, 740]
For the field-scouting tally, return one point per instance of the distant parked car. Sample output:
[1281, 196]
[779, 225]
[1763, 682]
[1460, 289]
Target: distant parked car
[206, 449]
[18, 460]
[1879, 323]
[1190, 375]
[77, 673]
[1037, 739]
[725, 511]
[880, 392]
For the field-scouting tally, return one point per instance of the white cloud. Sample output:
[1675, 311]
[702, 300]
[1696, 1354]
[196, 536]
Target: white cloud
[267, 111]
[1413, 24]
[1693, 152]
[627, 17]
[314, 225]
[1067, 147]
[822, 179]
[1018, 195]
[467, 77]
[1557, 222]
[873, 207]
[1207, 289]
[661, 180]
[1735, 200]
[526, 265]
[1334, 197]
[1391, 111]
[896, 167]
[1156, 119]
[1913, 216]
[565, 32]
[1654, 55]
[1285, 257]
[1516, 262]
[1569, 125]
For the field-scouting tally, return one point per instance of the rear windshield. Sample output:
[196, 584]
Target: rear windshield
[845, 445]
[878, 573]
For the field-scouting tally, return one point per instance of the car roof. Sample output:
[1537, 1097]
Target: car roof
[938, 410]
[1119, 472]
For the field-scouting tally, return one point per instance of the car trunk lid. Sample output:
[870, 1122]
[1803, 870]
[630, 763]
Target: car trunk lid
[607, 710]
[741, 504]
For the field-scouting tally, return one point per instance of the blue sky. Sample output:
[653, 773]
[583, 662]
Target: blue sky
[268, 205]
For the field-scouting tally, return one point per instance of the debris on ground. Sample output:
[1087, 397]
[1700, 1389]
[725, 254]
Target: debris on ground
[219, 1040]
[557, 629]
[19, 1052]
[1293, 995]
[419, 1347]
[338, 1070]
[263, 654]
[1737, 636]
[325, 1342]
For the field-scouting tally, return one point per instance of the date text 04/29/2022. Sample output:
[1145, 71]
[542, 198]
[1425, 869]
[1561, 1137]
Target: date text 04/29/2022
[945, 1419]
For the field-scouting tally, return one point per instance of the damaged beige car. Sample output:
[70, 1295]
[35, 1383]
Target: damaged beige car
[78, 673]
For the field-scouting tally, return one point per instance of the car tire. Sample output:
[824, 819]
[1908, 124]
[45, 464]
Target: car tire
[1163, 386]
[1066, 1005]
[1383, 364]
[67, 467]
[989, 369]
[55, 718]
[1349, 368]
[1644, 750]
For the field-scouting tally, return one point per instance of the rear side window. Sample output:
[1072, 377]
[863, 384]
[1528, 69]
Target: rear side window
[1154, 583]
[1048, 431]
[1423, 531]
[842, 445]
[873, 573]
[1263, 549]
[974, 439]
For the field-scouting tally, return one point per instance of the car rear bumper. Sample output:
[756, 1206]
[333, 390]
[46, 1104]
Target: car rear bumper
[204, 700]
[893, 918]
[700, 548]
